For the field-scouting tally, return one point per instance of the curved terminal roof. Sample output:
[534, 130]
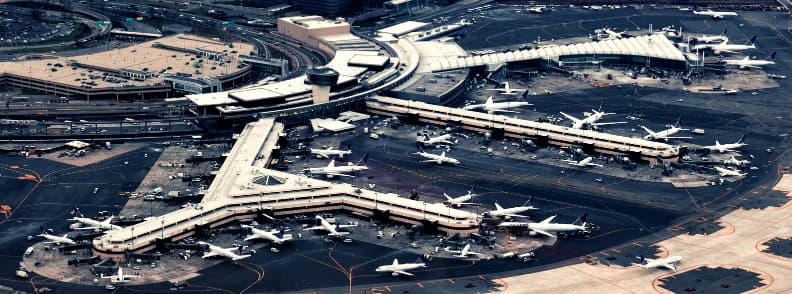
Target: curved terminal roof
[653, 46]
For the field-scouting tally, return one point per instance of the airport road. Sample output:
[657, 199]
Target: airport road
[41, 193]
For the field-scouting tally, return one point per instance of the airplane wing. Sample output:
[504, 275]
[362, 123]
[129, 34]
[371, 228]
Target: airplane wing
[403, 273]
[548, 220]
[648, 131]
[593, 164]
[87, 228]
[545, 233]
[346, 226]
[240, 257]
[609, 123]
[669, 266]
[727, 51]
[314, 228]
[677, 137]
[431, 161]
[514, 215]
[572, 118]
[339, 174]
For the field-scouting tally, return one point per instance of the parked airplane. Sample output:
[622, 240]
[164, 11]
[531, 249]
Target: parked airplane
[330, 152]
[58, 240]
[714, 14]
[399, 269]
[585, 162]
[610, 34]
[506, 90]
[591, 120]
[434, 158]
[92, 224]
[442, 139]
[536, 9]
[491, 107]
[329, 228]
[464, 252]
[332, 170]
[727, 147]
[224, 252]
[714, 38]
[501, 212]
[736, 162]
[459, 201]
[276, 236]
[752, 63]
[725, 172]
[667, 262]
[120, 277]
[546, 227]
[726, 47]
[667, 133]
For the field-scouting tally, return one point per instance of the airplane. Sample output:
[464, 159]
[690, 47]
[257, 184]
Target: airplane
[276, 236]
[399, 269]
[56, 239]
[725, 172]
[546, 227]
[667, 133]
[439, 159]
[332, 170]
[92, 223]
[464, 252]
[506, 90]
[726, 47]
[611, 34]
[442, 139]
[727, 147]
[492, 107]
[512, 211]
[714, 38]
[585, 162]
[224, 252]
[748, 62]
[667, 262]
[119, 278]
[715, 14]
[331, 229]
[459, 201]
[330, 152]
[591, 120]
[536, 9]
[736, 162]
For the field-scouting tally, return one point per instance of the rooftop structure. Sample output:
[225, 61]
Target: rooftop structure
[656, 46]
[638, 149]
[403, 28]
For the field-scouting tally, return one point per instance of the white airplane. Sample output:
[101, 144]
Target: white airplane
[442, 139]
[464, 252]
[506, 90]
[434, 158]
[399, 269]
[332, 230]
[492, 107]
[727, 147]
[332, 170]
[56, 239]
[592, 119]
[120, 277]
[725, 172]
[501, 212]
[667, 133]
[585, 162]
[459, 201]
[536, 9]
[736, 162]
[611, 34]
[752, 63]
[546, 227]
[714, 14]
[330, 152]
[714, 38]
[224, 252]
[667, 262]
[92, 224]
[726, 47]
[276, 236]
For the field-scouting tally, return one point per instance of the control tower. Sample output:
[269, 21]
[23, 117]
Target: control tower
[322, 78]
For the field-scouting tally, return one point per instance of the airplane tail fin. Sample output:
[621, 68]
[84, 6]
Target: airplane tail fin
[524, 95]
[741, 140]
[280, 233]
[363, 160]
[497, 206]
[581, 220]
[76, 211]
[772, 56]
[395, 261]
[530, 201]
[678, 123]
[752, 41]
[472, 189]
[601, 106]
[643, 260]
